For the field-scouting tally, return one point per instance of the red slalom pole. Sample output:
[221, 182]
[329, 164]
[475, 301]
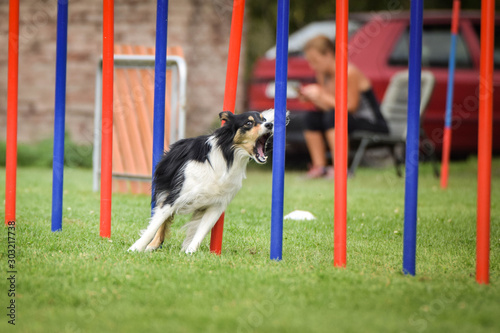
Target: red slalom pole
[12, 89]
[340, 213]
[233, 57]
[445, 158]
[233, 63]
[485, 141]
[107, 116]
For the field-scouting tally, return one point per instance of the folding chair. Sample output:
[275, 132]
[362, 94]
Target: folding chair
[394, 109]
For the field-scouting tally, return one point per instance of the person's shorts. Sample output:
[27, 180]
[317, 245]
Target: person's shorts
[315, 121]
[323, 121]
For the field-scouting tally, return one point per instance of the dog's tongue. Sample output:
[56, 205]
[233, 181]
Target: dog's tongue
[260, 152]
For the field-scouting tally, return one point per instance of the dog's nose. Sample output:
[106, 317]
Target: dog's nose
[269, 126]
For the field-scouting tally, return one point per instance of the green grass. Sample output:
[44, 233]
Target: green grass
[75, 281]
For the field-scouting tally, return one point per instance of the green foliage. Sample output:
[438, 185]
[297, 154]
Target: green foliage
[40, 154]
[75, 281]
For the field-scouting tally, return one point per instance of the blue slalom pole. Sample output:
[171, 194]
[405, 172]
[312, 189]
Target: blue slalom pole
[279, 130]
[160, 84]
[412, 138]
[445, 156]
[451, 78]
[59, 115]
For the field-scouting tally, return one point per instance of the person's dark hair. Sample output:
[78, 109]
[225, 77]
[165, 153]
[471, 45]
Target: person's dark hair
[321, 43]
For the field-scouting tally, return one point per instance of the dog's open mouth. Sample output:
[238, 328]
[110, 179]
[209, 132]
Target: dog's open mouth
[259, 150]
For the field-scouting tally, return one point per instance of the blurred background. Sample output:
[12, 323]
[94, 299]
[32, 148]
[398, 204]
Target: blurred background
[200, 27]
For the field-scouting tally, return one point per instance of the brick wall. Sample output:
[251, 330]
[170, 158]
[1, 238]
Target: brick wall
[200, 27]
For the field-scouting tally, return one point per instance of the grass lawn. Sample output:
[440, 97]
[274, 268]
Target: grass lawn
[74, 281]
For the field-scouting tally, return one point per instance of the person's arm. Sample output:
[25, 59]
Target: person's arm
[318, 96]
[325, 99]
[353, 92]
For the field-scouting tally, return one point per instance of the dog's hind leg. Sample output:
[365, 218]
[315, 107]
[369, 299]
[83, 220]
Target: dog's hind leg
[208, 220]
[159, 217]
[160, 235]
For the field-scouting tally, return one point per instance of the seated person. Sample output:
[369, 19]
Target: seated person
[362, 105]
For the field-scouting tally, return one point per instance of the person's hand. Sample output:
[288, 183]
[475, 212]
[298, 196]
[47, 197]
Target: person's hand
[311, 92]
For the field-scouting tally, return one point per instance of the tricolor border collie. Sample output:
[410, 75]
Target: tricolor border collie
[200, 176]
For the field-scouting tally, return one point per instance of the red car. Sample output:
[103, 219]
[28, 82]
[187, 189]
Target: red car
[379, 47]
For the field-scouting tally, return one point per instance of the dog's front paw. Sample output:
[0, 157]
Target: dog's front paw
[191, 250]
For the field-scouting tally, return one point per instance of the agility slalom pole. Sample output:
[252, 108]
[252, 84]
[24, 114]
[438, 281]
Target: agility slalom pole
[485, 141]
[445, 158]
[59, 115]
[412, 138]
[160, 86]
[107, 116]
[233, 62]
[340, 156]
[12, 90]
[276, 252]
[233, 57]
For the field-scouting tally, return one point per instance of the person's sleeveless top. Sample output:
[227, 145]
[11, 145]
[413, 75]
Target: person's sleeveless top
[369, 110]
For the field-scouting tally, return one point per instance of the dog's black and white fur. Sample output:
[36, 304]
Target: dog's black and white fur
[202, 175]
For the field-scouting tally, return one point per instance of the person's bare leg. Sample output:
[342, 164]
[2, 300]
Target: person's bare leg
[316, 146]
[330, 138]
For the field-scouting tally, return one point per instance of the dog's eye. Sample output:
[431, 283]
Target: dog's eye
[249, 123]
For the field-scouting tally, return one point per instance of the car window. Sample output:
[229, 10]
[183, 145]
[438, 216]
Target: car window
[435, 48]
[496, 52]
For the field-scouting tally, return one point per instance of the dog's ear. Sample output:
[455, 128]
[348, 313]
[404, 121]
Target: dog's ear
[226, 116]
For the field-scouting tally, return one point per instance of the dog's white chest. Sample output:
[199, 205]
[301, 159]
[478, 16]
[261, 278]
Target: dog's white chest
[211, 183]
